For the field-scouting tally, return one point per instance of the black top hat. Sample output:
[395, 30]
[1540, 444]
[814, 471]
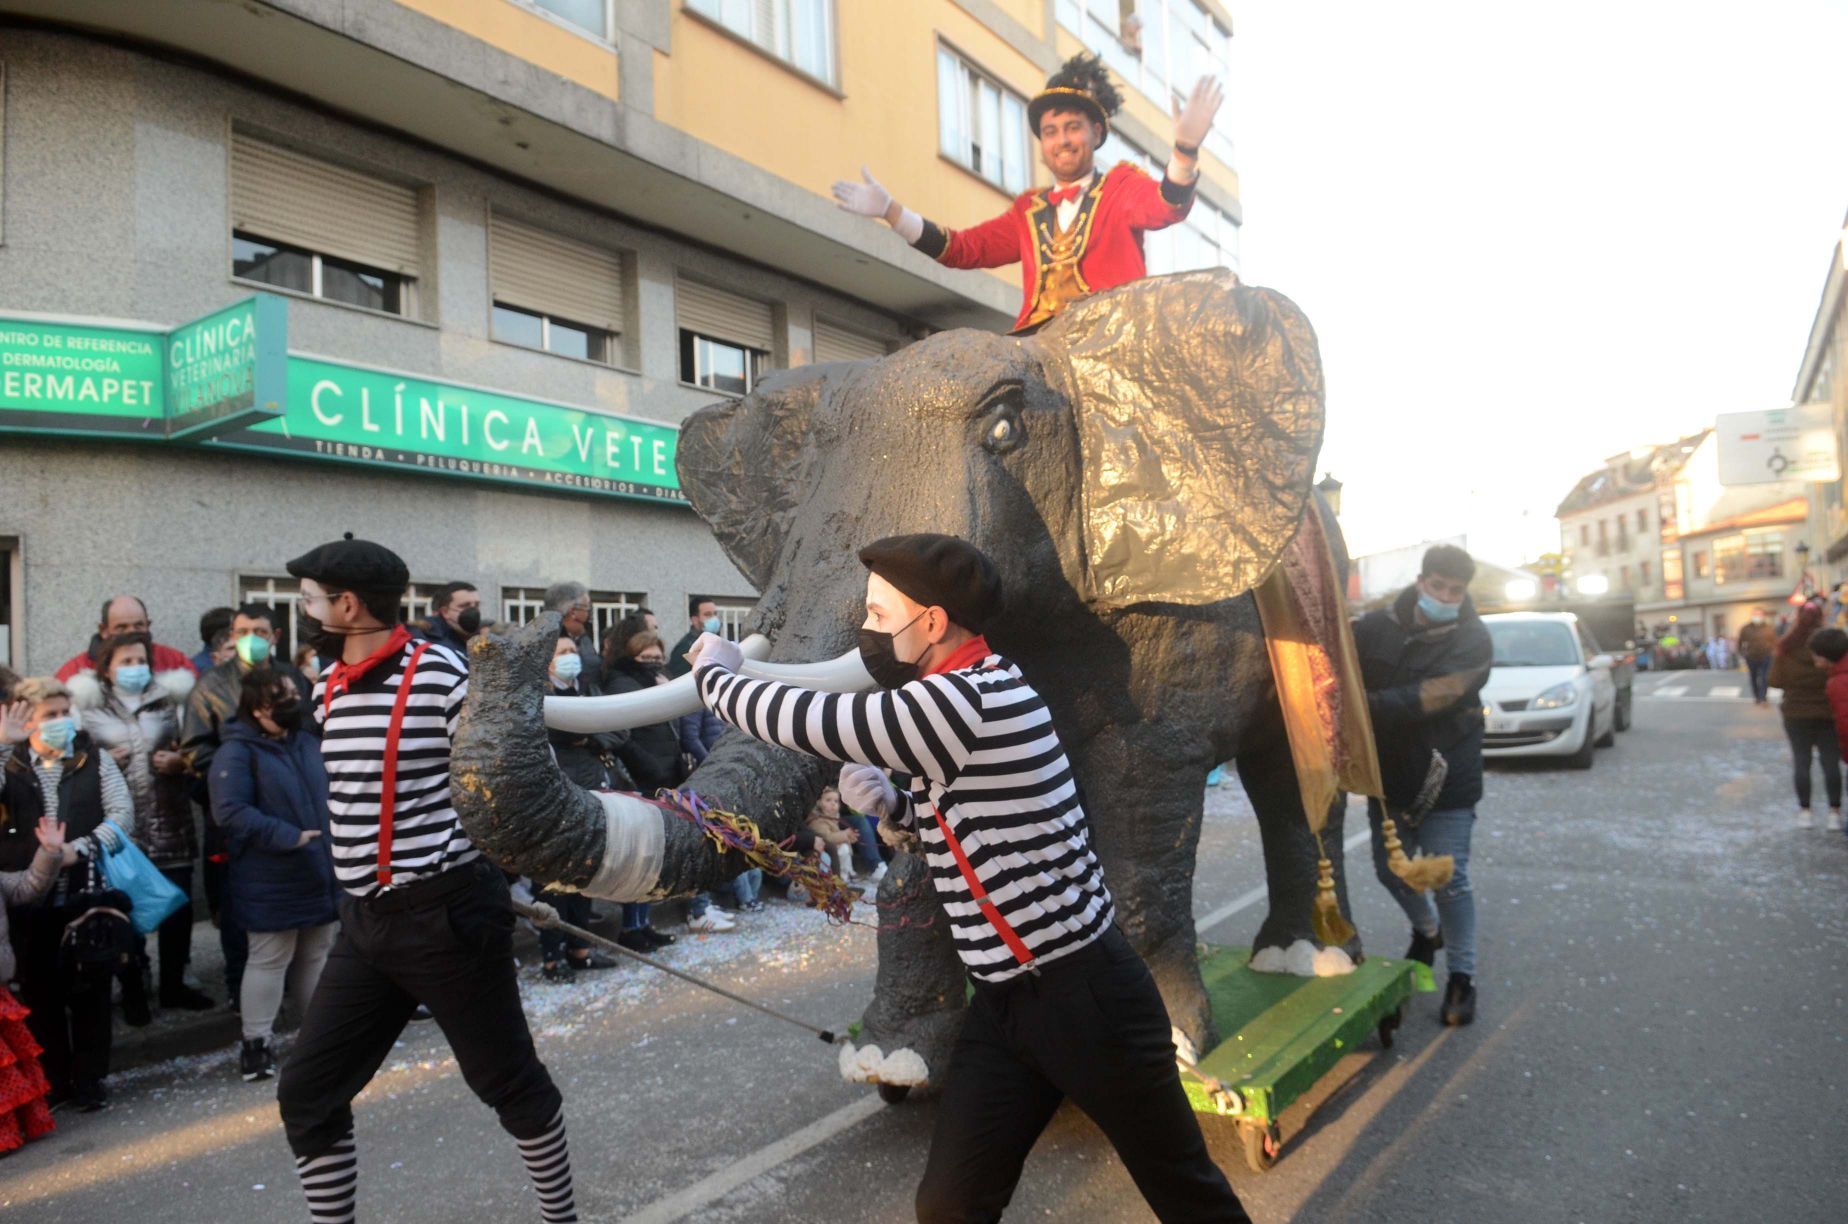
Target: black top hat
[1081, 83]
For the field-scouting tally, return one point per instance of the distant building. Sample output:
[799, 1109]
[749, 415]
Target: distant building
[1820, 380]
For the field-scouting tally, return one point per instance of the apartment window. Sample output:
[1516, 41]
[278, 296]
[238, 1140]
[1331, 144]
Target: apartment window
[732, 615]
[590, 16]
[1642, 569]
[1729, 559]
[1623, 577]
[1702, 567]
[1673, 586]
[1584, 535]
[725, 340]
[308, 226]
[798, 32]
[285, 595]
[1159, 46]
[555, 293]
[1642, 521]
[1764, 554]
[981, 125]
[10, 652]
[521, 605]
[1208, 238]
[833, 343]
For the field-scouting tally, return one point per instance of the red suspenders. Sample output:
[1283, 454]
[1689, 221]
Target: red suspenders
[388, 784]
[980, 894]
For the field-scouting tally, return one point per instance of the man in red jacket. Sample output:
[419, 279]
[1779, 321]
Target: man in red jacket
[127, 614]
[1083, 235]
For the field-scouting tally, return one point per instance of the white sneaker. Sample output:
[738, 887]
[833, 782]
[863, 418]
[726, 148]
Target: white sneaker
[711, 922]
[1804, 819]
[1834, 821]
[843, 858]
[878, 874]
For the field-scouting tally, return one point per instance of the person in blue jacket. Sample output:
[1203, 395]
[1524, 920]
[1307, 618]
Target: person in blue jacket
[269, 794]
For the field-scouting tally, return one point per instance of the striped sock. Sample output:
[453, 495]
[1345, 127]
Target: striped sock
[331, 1182]
[548, 1163]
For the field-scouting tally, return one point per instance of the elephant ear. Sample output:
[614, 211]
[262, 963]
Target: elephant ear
[748, 464]
[1199, 411]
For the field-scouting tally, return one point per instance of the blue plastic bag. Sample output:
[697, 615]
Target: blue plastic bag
[155, 897]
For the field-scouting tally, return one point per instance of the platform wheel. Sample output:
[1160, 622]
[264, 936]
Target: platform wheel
[1262, 1144]
[893, 1094]
[1389, 1025]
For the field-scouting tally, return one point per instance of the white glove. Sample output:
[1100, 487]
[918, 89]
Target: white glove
[865, 788]
[711, 648]
[866, 198]
[108, 837]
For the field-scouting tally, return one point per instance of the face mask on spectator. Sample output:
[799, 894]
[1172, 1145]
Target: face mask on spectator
[57, 733]
[714, 625]
[568, 667]
[287, 713]
[254, 649]
[469, 621]
[134, 677]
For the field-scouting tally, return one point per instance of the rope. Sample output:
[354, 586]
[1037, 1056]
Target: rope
[1225, 1099]
[546, 918]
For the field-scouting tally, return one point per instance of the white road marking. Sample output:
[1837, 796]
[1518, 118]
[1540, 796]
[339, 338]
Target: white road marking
[1726, 690]
[1671, 690]
[683, 1203]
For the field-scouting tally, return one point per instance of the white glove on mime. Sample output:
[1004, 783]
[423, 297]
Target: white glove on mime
[711, 648]
[108, 836]
[865, 788]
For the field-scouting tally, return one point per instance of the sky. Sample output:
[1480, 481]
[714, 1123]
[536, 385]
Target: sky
[1531, 236]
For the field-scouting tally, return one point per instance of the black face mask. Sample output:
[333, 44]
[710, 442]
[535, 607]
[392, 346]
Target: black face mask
[469, 622]
[879, 655]
[328, 643]
[650, 669]
[287, 714]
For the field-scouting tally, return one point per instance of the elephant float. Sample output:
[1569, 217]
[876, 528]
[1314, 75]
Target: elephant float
[1134, 469]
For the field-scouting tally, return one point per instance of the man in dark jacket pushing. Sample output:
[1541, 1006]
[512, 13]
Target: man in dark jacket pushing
[1424, 661]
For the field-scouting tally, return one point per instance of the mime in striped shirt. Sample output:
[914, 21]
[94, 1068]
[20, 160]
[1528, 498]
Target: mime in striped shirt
[424, 917]
[1064, 1006]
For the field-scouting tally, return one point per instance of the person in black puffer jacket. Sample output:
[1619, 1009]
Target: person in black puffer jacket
[653, 758]
[1424, 661]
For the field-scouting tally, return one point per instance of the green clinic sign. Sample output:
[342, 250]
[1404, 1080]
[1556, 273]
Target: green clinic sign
[228, 381]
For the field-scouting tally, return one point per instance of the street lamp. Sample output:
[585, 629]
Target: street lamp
[1330, 489]
[1804, 585]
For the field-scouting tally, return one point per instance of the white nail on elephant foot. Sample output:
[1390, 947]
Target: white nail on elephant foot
[871, 1065]
[1303, 959]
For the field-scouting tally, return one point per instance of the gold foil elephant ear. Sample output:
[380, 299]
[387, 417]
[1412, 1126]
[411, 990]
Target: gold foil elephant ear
[1199, 410]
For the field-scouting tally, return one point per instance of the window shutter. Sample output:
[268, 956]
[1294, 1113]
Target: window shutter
[288, 197]
[545, 272]
[724, 316]
[838, 344]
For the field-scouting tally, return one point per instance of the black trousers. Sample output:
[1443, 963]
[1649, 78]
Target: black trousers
[1092, 1027]
[573, 908]
[448, 944]
[1815, 735]
[69, 1005]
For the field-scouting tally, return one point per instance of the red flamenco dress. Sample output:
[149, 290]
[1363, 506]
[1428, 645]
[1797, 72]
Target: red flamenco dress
[24, 1116]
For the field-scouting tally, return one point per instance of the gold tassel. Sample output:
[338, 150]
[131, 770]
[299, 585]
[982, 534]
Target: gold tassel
[1331, 928]
[1426, 873]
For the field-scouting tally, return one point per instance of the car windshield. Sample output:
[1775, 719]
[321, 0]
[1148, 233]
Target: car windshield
[1533, 644]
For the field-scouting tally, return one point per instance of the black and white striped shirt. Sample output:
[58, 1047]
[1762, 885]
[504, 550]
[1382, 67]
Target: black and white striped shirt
[977, 744]
[427, 838]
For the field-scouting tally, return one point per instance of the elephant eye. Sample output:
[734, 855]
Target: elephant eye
[1004, 435]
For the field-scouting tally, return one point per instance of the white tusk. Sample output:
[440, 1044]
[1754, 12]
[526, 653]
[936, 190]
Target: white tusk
[622, 711]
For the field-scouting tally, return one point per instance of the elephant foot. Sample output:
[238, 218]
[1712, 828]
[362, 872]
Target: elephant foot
[1303, 959]
[869, 1064]
[1175, 966]
[914, 1054]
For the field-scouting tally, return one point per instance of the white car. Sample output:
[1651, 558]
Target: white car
[1549, 692]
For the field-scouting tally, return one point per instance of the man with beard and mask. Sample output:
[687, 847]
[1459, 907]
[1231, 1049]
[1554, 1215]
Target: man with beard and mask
[213, 702]
[1084, 234]
[455, 617]
[424, 917]
[1424, 660]
[989, 793]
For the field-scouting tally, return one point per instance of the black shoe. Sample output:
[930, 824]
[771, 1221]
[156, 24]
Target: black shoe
[656, 940]
[185, 998]
[1459, 1000]
[90, 1098]
[420, 1013]
[254, 1060]
[635, 939]
[1424, 948]
[557, 971]
[135, 1001]
[596, 960]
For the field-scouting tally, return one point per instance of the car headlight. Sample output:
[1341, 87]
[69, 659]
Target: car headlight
[1556, 698]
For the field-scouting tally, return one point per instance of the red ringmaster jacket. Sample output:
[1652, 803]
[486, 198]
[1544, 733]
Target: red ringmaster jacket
[1838, 699]
[1119, 207]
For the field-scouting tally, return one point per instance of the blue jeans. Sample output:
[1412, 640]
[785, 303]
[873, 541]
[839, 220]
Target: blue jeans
[1760, 672]
[746, 887]
[1441, 832]
[634, 916]
[697, 904]
[866, 850]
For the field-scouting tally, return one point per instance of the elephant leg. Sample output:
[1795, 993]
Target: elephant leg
[920, 995]
[1290, 855]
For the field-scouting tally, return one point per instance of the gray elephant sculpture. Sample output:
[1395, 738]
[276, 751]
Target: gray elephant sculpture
[1133, 469]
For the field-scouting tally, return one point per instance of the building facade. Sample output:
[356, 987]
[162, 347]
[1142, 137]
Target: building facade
[1821, 380]
[449, 273]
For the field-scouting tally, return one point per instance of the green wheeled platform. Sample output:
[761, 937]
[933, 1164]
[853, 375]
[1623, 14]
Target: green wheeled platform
[1283, 1033]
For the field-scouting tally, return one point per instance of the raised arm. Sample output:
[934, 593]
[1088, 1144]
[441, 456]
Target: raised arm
[992, 244]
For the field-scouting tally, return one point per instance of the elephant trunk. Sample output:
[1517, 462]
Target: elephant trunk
[522, 811]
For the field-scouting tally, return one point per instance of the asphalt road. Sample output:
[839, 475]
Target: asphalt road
[1662, 1038]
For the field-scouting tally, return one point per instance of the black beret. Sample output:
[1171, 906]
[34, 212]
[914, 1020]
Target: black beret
[940, 570]
[353, 565]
